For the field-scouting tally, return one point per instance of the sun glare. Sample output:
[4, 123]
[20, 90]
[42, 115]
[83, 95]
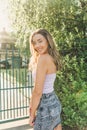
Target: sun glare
[4, 18]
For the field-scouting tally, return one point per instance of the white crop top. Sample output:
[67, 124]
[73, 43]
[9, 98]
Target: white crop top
[49, 82]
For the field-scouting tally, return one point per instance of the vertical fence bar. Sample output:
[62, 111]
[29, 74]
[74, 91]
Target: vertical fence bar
[6, 83]
[13, 61]
[3, 99]
[16, 94]
[0, 92]
[23, 90]
[10, 102]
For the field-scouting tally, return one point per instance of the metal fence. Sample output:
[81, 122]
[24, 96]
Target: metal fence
[15, 86]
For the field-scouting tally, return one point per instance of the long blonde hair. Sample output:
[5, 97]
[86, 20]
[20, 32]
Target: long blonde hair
[52, 48]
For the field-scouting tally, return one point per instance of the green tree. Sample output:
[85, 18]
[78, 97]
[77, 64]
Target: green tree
[67, 22]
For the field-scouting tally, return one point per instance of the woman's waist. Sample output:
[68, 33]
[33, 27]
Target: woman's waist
[48, 95]
[49, 99]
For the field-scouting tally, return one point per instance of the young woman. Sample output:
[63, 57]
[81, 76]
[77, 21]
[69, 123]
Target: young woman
[45, 107]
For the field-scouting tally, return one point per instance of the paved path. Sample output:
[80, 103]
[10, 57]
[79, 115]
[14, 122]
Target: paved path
[16, 125]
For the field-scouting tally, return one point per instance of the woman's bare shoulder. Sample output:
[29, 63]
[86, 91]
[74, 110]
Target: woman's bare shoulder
[43, 58]
[42, 63]
[45, 63]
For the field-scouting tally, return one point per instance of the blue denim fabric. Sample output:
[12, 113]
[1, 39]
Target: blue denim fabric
[48, 113]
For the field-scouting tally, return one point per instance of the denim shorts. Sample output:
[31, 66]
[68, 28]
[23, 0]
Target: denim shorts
[48, 112]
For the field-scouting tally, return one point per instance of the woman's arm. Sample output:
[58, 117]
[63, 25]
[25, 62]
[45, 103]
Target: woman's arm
[39, 82]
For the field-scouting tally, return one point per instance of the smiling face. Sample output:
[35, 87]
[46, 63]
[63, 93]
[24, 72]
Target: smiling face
[40, 44]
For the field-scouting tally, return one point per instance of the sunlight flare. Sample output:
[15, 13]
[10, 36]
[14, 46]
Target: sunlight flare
[4, 17]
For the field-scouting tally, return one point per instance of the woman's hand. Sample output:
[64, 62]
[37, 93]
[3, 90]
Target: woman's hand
[32, 118]
[31, 121]
[29, 111]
